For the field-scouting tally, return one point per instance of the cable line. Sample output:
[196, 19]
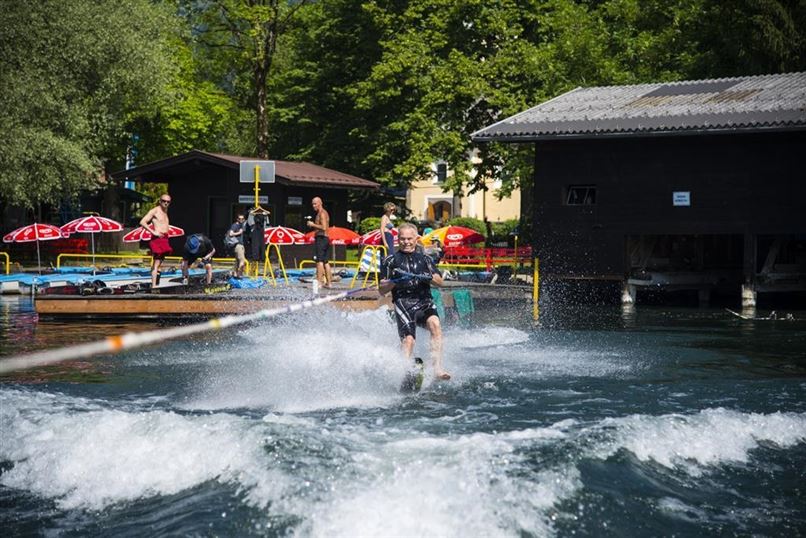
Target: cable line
[114, 344]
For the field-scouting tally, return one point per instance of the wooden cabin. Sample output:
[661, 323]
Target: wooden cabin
[207, 193]
[694, 186]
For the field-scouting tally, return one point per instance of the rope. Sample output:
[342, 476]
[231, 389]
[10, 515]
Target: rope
[114, 344]
[411, 276]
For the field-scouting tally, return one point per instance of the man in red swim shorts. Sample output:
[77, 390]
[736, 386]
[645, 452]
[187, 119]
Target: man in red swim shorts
[156, 222]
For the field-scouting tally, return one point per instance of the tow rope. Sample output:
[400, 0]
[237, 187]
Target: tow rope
[114, 344]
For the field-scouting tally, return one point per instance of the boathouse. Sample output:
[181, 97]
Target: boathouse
[207, 193]
[696, 186]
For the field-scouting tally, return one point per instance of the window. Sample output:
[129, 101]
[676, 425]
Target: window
[581, 195]
[442, 172]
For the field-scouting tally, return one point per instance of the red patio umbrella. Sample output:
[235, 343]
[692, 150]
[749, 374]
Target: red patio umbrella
[34, 232]
[374, 237]
[141, 234]
[280, 235]
[337, 236]
[454, 236]
[91, 224]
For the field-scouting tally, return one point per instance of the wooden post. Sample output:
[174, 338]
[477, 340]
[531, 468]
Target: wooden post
[628, 292]
[749, 270]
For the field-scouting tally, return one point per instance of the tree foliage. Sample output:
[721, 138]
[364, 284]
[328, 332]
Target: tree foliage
[236, 41]
[386, 88]
[380, 89]
[75, 75]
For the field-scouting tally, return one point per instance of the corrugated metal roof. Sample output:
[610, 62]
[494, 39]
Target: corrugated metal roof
[296, 173]
[729, 104]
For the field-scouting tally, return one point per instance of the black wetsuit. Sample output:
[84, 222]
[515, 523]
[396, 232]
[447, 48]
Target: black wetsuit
[410, 296]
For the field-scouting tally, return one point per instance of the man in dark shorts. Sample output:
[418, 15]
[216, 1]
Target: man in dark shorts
[408, 274]
[320, 223]
[198, 246]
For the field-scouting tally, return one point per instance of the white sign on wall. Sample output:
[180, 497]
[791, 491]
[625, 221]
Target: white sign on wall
[250, 199]
[681, 198]
[295, 200]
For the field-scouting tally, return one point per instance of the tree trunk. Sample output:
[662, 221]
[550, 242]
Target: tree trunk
[266, 45]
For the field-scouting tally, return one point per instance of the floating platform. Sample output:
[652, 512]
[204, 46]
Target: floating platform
[195, 302]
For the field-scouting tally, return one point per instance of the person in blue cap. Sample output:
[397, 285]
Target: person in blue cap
[198, 247]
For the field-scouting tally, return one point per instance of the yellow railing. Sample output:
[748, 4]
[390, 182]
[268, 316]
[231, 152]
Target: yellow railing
[8, 261]
[345, 263]
[143, 258]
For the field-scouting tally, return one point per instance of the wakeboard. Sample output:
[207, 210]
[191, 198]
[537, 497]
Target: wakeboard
[413, 380]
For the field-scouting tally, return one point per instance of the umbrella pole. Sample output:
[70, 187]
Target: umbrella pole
[38, 259]
[92, 236]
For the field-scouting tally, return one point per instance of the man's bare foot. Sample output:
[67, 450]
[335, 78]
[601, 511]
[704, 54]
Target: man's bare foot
[442, 375]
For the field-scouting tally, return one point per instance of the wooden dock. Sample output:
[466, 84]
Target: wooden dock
[196, 304]
[202, 305]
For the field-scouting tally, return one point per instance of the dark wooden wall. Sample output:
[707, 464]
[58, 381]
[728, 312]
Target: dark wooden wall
[748, 184]
[205, 200]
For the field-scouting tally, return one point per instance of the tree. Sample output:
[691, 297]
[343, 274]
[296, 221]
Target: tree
[74, 77]
[237, 37]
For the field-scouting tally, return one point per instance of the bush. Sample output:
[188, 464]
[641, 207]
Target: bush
[469, 222]
[501, 230]
[368, 224]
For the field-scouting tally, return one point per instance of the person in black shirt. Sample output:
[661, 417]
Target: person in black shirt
[408, 274]
[198, 246]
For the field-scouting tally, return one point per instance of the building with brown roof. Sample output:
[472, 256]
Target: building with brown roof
[207, 193]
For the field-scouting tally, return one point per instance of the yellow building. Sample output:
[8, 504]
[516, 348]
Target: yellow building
[427, 201]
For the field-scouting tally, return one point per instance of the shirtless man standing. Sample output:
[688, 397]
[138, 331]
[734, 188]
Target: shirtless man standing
[320, 223]
[156, 222]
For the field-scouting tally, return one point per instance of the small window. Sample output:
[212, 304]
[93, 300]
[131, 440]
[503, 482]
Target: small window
[581, 195]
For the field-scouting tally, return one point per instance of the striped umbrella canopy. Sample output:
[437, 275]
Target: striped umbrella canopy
[280, 235]
[374, 237]
[453, 236]
[141, 234]
[337, 236]
[91, 224]
[34, 232]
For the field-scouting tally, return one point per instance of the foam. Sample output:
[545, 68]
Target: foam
[346, 479]
[483, 337]
[97, 457]
[426, 486]
[710, 438]
[307, 362]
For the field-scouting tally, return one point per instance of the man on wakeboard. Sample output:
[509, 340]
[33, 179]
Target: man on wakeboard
[408, 274]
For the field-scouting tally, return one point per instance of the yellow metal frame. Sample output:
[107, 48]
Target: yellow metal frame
[268, 268]
[374, 249]
[8, 262]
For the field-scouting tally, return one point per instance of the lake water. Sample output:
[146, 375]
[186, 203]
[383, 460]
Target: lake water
[600, 422]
